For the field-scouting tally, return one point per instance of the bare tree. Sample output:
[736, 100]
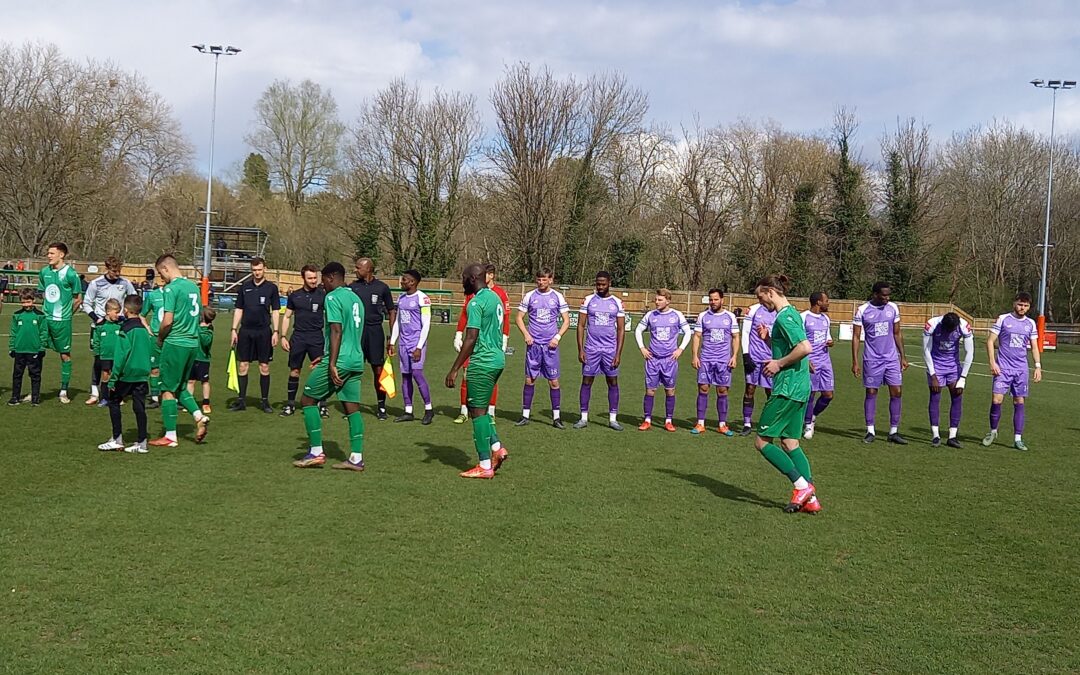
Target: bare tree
[297, 130]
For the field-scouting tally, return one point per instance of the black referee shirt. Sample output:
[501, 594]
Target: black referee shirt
[377, 300]
[257, 301]
[307, 308]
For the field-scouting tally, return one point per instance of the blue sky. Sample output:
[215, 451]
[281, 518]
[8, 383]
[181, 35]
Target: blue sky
[952, 64]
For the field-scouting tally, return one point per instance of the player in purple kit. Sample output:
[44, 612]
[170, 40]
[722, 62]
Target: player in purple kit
[412, 327]
[716, 351]
[883, 359]
[1010, 337]
[600, 343]
[942, 336]
[756, 351]
[549, 319]
[817, 324]
[662, 357]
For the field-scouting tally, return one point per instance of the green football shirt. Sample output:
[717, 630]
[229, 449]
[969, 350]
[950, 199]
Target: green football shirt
[486, 315]
[343, 307]
[181, 297]
[793, 381]
[154, 308]
[59, 287]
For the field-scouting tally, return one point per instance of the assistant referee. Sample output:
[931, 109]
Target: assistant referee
[378, 304]
[255, 332]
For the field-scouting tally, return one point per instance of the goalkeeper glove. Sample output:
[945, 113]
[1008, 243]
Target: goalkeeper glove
[748, 363]
[458, 341]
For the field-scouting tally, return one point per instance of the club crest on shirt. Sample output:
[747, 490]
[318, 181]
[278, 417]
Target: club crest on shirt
[52, 293]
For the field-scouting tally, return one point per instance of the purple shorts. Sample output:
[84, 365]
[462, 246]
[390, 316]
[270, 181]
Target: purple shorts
[1012, 382]
[405, 359]
[874, 374]
[661, 371]
[822, 379]
[541, 361]
[599, 362]
[714, 374]
[759, 379]
[945, 377]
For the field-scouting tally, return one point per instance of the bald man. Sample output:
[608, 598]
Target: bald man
[378, 304]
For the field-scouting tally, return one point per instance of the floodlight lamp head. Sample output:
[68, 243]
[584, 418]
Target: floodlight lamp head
[215, 49]
[1037, 82]
[1068, 84]
[1054, 84]
[199, 48]
[230, 50]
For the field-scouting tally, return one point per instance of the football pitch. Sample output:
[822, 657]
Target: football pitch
[591, 550]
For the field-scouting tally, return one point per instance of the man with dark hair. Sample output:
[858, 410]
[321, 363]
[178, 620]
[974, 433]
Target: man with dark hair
[255, 332]
[715, 354]
[463, 318]
[62, 289]
[378, 304]
[307, 305]
[1011, 337]
[883, 360]
[942, 337]
[818, 327]
[600, 337]
[341, 372]
[549, 319]
[412, 327]
[109, 286]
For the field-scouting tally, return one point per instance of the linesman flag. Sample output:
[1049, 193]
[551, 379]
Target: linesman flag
[386, 380]
[234, 381]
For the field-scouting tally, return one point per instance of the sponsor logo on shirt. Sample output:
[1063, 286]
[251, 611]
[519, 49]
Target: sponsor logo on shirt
[717, 335]
[602, 318]
[879, 329]
[663, 332]
[1018, 341]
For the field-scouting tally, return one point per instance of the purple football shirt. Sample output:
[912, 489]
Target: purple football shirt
[717, 330]
[817, 332]
[410, 323]
[665, 330]
[1015, 335]
[945, 347]
[600, 315]
[877, 324]
[758, 349]
[544, 310]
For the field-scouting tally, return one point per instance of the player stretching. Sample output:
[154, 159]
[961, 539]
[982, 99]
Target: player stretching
[1011, 335]
[482, 347]
[755, 352]
[463, 318]
[883, 360]
[178, 341]
[718, 329]
[341, 372]
[543, 306]
[412, 326]
[941, 349]
[662, 357]
[601, 322]
[816, 322]
[782, 417]
[306, 305]
[62, 290]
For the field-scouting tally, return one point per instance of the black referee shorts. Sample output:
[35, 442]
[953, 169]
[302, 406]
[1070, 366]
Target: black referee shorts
[200, 371]
[373, 343]
[304, 345]
[253, 344]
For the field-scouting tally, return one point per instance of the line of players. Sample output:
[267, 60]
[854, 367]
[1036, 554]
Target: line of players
[717, 339]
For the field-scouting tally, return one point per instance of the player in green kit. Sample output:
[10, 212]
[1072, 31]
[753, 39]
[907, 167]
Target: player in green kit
[483, 349]
[340, 372]
[782, 417]
[178, 339]
[62, 289]
[154, 310]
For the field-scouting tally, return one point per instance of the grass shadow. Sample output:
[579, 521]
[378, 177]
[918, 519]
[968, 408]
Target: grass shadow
[722, 489]
[453, 457]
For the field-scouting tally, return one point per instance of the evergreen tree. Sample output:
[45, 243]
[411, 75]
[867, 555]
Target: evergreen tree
[899, 242]
[257, 175]
[849, 222]
[623, 258]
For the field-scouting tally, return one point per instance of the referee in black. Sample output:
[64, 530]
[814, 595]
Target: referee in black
[378, 304]
[305, 305]
[255, 332]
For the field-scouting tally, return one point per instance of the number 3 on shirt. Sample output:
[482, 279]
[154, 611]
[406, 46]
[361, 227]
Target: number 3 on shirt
[194, 304]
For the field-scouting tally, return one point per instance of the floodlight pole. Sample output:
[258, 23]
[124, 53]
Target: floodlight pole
[216, 51]
[1053, 86]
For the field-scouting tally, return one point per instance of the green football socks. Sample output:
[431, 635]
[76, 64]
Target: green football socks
[356, 430]
[188, 401]
[313, 425]
[169, 414]
[155, 385]
[483, 431]
[781, 461]
[801, 462]
[65, 374]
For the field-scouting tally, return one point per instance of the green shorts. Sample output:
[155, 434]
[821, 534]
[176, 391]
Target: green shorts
[155, 353]
[175, 363]
[782, 418]
[479, 386]
[59, 339]
[319, 386]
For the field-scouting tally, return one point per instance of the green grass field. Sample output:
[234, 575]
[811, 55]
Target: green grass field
[591, 551]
